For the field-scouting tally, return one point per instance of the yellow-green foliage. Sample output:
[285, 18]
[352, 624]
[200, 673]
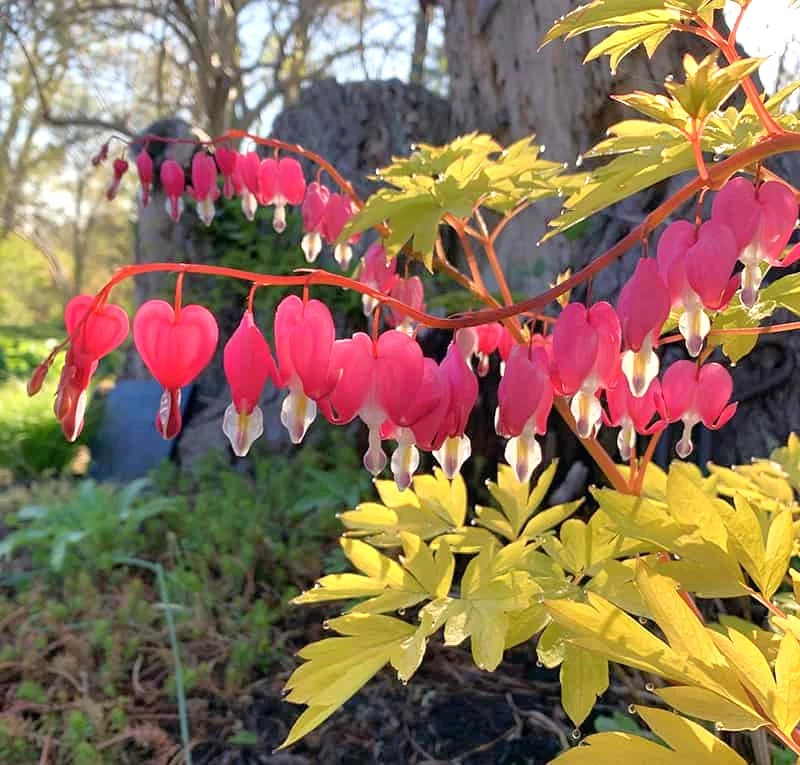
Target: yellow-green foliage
[580, 585]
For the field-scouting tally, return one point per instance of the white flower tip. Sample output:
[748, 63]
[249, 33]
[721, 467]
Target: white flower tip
[242, 429]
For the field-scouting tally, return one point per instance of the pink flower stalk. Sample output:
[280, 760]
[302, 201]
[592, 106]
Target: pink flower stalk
[175, 346]
[633, 414]
[762, 219]
[144, 166]
[119, 168]
[248, 364]
[104, 329]
[226, 162]
[697, 267]
[524, 401]
[204, 186]
[246, 178]
[340, 209]
[280, 183]
[695, 395]
[455, 447]
[314, 207]
[642, 307]
[304, 337]
[411, 292]
[377, 271]
[173, 181]
[586, 345]
[377, 381]
[489, 337]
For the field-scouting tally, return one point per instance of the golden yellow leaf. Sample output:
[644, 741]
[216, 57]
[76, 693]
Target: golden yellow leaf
[787, 677]
[707, 705]
[687, 744]
[584, 677]
[337, 667]
[780, 544]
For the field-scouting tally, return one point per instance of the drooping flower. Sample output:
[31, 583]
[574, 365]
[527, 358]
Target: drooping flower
[642, 307]
[376, 381]
[173, 180]
[304, 337]
[411, 292]
[245, 177]
[280, 183]
[455, 446]
[762, 219]
[633, 414]
[489, 337]
[144, 166]
[119, 168]
[204, 186]
[94, 333]
[339, 210]
[377, 271]
[524, 401]
[697, 267]
[314, 207]
[586, 346]
[420, 416]
[226, 162]
[248, 364]
[175, 346]
[695, 395]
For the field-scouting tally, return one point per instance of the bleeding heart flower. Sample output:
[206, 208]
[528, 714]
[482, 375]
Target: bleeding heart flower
[411, 292]
[524, 401]
[304, 337]
[248, 364]
[245, 177]
[93, 332]
[377, 381]
[762, 219]
[144, 166]
[173, 181]
[586, 345]
[280, 183]
[175, 347]
[204, 186]
[377, 271]
[314, 207]
[504, 346]
[422, 415]
[633, 414]
[226, 162]
[489, 337]
[698, 274]
[456, 447]
[339, 210]
[643, 307]
[695, 395]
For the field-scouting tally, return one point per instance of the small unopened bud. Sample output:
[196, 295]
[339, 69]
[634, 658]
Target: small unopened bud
[101, 155]
[38, 377]
[120, 168]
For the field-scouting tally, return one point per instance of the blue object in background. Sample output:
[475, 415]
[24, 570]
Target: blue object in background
[127, 445]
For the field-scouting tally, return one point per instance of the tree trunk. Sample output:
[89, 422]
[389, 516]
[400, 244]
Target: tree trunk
[501, 84]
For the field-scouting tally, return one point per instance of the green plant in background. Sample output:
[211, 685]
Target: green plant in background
[89, 531]
[255, 246]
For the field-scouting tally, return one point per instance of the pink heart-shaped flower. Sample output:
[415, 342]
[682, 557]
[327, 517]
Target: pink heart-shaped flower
[174, 349]
[104, 329]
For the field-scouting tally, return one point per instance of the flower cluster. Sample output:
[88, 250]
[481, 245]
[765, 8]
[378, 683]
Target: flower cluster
[600, 359]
